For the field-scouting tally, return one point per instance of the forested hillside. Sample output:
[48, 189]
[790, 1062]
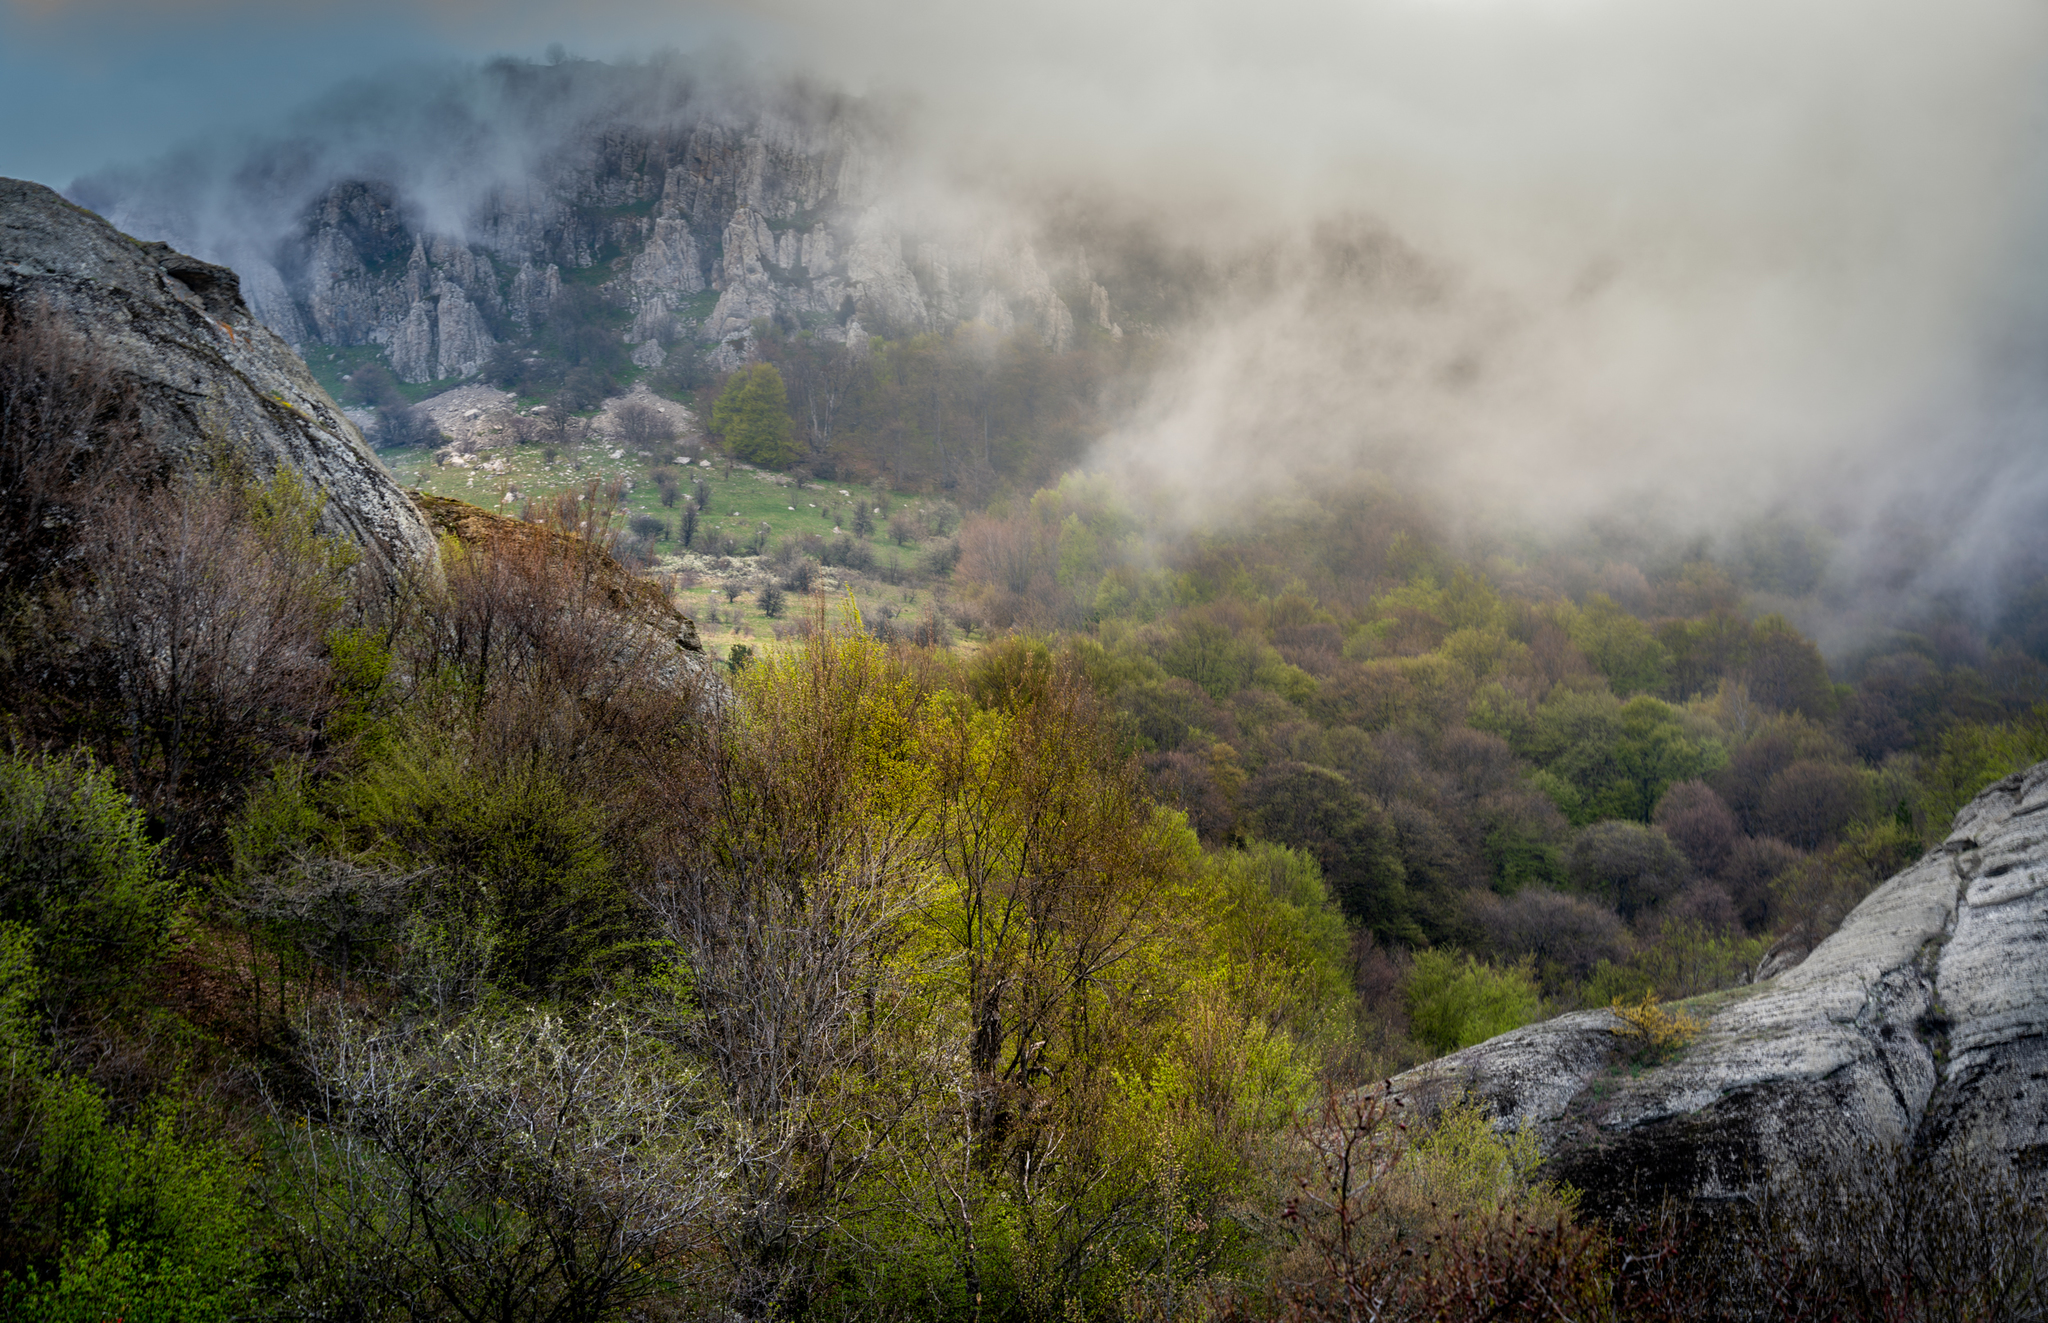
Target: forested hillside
[1492, 753]
[457, 942]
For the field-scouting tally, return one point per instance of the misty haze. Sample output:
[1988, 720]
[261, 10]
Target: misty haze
[1121, 662]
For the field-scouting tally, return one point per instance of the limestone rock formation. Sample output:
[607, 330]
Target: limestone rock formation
[1922, 1022]
[777, 201]
[211, 377]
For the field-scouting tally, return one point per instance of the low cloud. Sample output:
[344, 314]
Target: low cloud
[1548, 259]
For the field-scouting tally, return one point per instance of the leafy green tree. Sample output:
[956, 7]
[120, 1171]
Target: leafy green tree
[1602, 758]
[77, 869]
[1457, 1000]
[1787, 672]
[1621, 647]
[1973, 755]
[1318, 811]
[752, 413]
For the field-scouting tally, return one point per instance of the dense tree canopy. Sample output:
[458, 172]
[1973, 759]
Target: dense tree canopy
[752, 414]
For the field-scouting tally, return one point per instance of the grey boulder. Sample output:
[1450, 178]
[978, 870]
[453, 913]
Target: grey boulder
[212, 380]
[1920, 1026]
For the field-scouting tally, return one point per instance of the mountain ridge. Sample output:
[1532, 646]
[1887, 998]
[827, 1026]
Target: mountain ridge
[654, 183]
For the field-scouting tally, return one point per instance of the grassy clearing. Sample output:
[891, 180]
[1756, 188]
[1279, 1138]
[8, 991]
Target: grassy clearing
[742, 499]
[897, 588]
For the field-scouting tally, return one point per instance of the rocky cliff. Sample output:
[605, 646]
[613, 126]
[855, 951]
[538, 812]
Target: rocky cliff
[1921, 1023]
[211, 378]
[695, 207]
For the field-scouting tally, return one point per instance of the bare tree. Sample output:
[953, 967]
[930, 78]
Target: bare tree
[333, 908]
[509, 1170]
[70, 433]
[793, 912]
[202, 613]
[642, 425]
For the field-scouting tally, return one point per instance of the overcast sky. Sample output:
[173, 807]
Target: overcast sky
[1713, 254]
[89, 83]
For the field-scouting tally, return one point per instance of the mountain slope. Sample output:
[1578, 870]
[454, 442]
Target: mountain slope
[213, 381]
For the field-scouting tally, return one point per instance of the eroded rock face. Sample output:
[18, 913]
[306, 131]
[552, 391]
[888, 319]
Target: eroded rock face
[778, 202]
[211, 377]
[1922, 1022]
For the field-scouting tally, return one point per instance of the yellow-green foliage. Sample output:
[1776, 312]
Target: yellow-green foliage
[1099, 1028]
[1278, 939]
[1464, 1164]
[142, 1221]
[1686, 959]
[1457, 1000]
[1654, 1032]
[1974, 754]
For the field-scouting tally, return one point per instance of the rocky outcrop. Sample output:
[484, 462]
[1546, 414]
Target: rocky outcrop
[1921, 1023]
[779, 202]
[211, 378]
[636, 600]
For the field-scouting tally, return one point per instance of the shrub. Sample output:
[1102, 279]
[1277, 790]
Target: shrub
[155, 1223]
[525, 1168]
[769, 599]
[100, 1220]
[941, 559]
[78, 870]
[1456, 1001]
[1449, 1228]
[642, 425]
[847, 552]
[69, 433]
[1653, 1033]
[511, 845]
